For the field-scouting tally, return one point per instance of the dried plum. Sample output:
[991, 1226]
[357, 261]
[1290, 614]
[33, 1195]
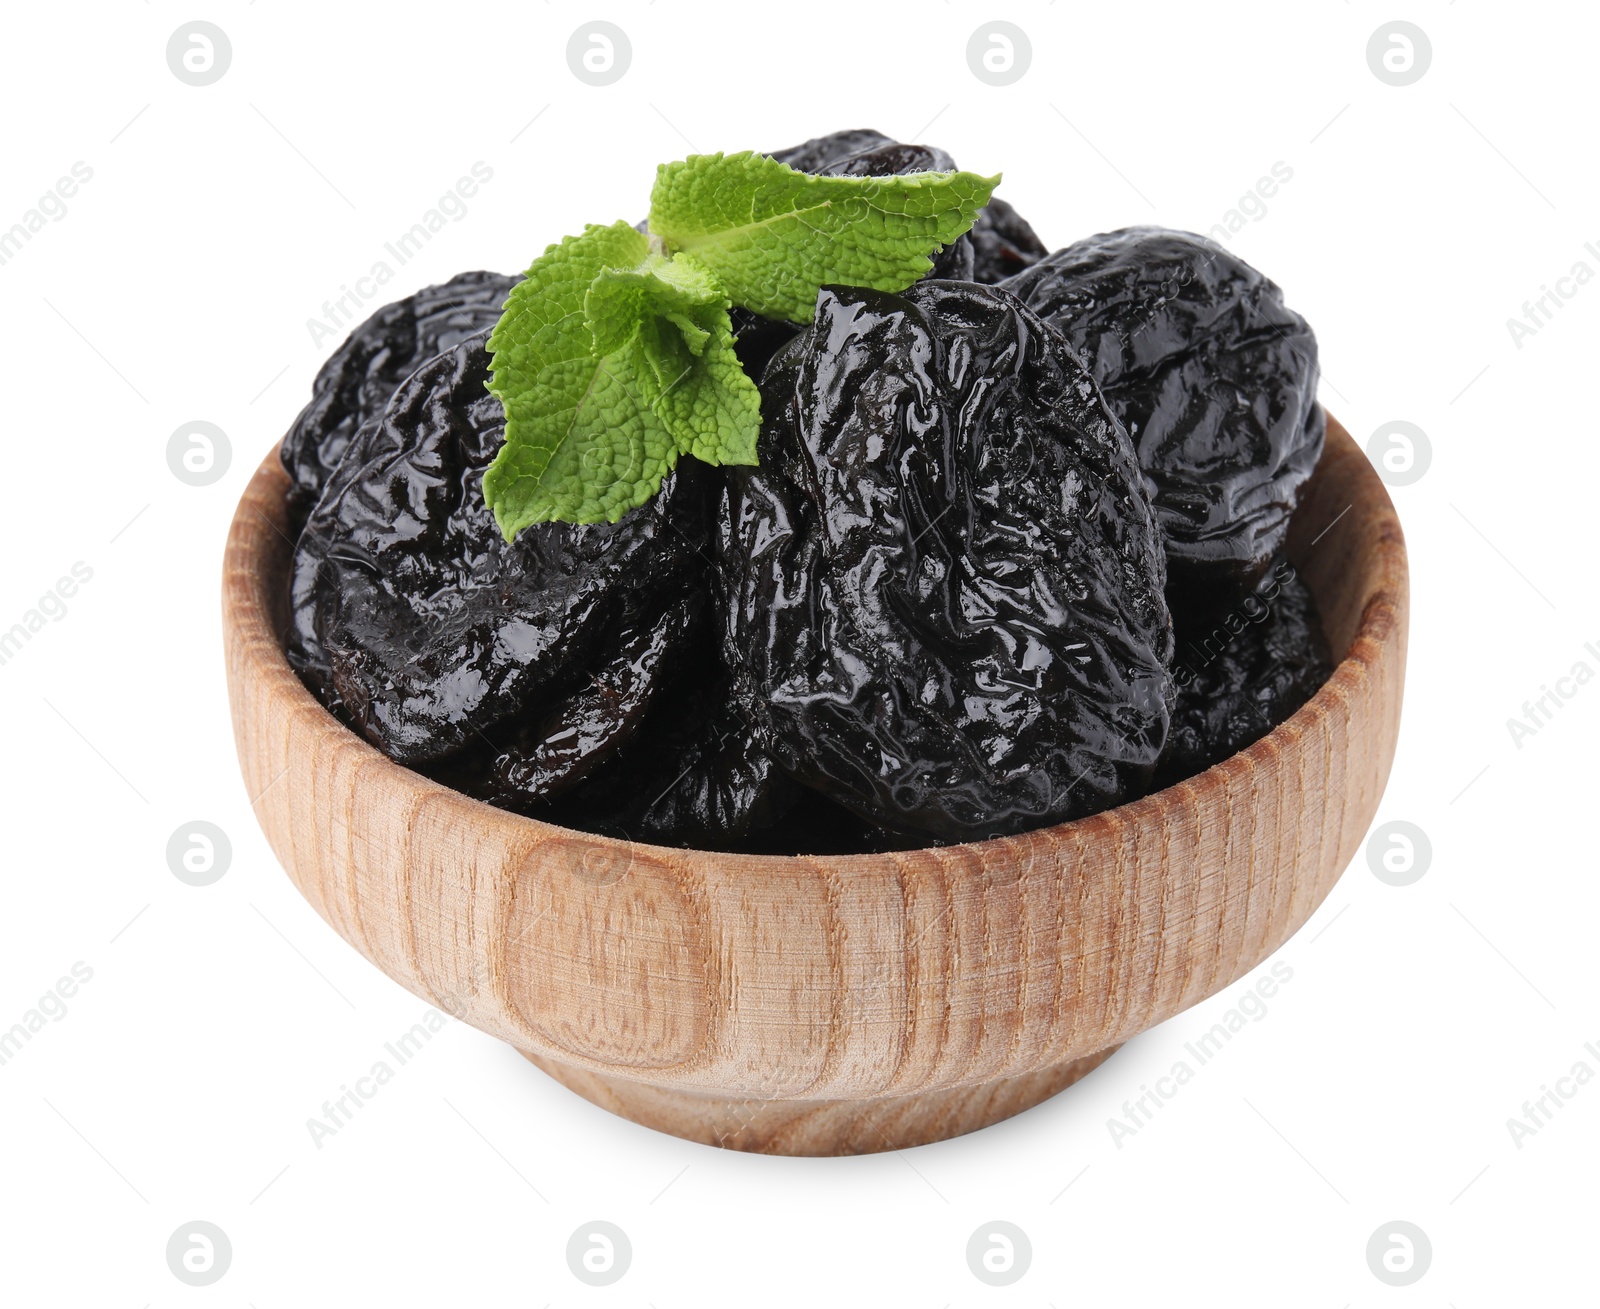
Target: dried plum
[862, 152]
[1003, 243]
[944, 582]
[415, 617]
[757, 339]
[524, 761]
[694, 775]
[1214, 378]
[1000, 243]
[1242, 670]
[360, 376]
[858, 152]
[650, 749]
[726, 789]
[937, 611]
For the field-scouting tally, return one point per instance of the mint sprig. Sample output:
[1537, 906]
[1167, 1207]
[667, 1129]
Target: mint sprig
[615, 356]
[611, 360]
[773, 236]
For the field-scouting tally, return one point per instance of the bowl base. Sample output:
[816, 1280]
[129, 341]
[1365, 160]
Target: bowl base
[821, 1127]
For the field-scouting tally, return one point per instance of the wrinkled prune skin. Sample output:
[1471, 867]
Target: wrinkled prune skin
[859, 152]
[414, 617]
[1000, 243]
[862, 152]
[361, 375]
[1214, 377]
[1242, 670]
[943, 584]
[694, 776]
[546, 753]
[1003, 243]
[649, 749]
[955, 263]
[720, 786]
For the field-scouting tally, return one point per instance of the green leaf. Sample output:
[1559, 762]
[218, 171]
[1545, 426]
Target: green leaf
[685, 340]
[611, 361]
[619, 298]
[772, 236]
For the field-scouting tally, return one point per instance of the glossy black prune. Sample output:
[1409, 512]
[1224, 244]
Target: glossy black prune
[421, 624]
[1214, 378]
[694, 775]
[1000, 243]
[943, 584]
[360, 376]
[1241, 670]
[1003, 243]
[862, 152]
[524, 761]
[720, 786]
[757, 339]
[858, 152]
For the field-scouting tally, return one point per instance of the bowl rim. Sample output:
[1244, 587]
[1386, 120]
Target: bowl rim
[249, 621]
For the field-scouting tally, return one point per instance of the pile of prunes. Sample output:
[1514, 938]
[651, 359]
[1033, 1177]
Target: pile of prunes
[1013, 554]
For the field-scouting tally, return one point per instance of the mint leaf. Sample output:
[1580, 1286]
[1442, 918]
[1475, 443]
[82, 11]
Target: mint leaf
[611, 361]
[619, 298]
[677, 315]
[772, 236]
[615, 356]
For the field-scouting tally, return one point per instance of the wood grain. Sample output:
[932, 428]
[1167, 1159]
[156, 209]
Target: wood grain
[814, 1005]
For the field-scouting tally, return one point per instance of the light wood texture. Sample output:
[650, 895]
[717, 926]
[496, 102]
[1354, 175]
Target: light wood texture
[815, 1005]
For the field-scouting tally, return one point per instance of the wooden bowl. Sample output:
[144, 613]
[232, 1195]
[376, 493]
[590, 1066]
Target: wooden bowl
[830, 1005]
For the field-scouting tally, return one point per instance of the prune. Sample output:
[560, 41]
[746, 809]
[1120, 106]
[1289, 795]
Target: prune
[720, 786]
[362, 374]
[649, 749]
[757, 339]
[1000, 243]
[1214, 378]
[862, 152]
[525, 760]
[419, 621]
[939, 608]
[943, 584]
[955, 262]
[1003, 243]
[694, 775]
[1240, 671]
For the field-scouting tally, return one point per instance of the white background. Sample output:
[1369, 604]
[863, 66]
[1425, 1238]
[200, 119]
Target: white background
[178, 286]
